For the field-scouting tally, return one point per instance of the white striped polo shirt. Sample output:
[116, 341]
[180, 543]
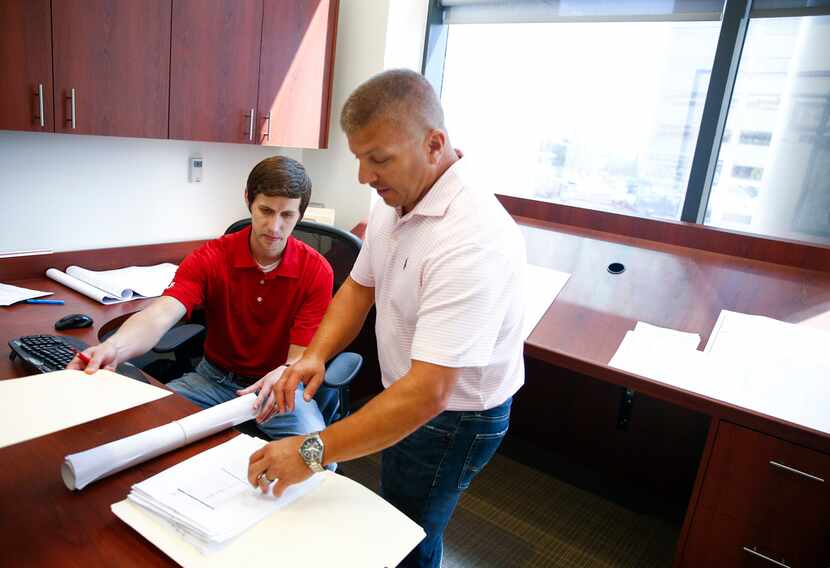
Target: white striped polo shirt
[448, 279]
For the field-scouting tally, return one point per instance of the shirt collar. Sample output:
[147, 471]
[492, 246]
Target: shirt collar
[242, 258]
[437, 200]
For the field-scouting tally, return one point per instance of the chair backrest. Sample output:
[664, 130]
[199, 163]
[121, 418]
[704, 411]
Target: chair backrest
[339, 247]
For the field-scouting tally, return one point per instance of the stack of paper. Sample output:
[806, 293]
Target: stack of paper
[208, 497]
[542, 287]
[114, 286]
[193, 510]
[81, 469]
[754, 362]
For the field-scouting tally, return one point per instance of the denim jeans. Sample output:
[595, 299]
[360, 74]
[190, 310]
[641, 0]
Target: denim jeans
[424, 474]
[208, 386]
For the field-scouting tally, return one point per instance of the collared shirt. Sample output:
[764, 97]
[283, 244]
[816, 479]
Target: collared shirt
[253, 317]
[448, 279]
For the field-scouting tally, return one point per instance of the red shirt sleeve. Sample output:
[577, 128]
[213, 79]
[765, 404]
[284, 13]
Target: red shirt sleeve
[318, 283]
[190, 282]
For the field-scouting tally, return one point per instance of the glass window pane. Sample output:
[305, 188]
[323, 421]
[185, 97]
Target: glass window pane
[775, 178]
[599, 115]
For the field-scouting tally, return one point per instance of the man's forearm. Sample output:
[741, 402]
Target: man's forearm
[142, 331]
[392, 415]
[343, 320]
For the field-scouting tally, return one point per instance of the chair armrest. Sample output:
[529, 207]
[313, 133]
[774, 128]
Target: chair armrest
[177, 336]
[342, 369]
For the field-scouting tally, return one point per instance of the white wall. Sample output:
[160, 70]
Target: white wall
[70, 192]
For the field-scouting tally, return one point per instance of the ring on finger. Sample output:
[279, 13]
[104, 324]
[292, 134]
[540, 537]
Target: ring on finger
[264, 477]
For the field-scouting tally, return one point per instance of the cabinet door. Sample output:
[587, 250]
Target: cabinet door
[115, 55]
[298, 38]
[25, 65]
[214, 74]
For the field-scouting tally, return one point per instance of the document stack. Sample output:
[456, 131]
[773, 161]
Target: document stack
[208, 498]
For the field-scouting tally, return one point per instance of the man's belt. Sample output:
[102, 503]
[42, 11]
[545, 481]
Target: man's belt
[235, 377]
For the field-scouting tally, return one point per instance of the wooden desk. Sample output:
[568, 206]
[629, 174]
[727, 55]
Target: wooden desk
[685, 289]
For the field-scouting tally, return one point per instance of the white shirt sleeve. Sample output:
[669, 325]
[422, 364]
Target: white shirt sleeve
[464, 300]
[362, 272]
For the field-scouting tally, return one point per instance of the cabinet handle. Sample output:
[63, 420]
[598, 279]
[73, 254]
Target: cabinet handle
[39, 95]
[753, 552]
[250, 118]
[71, 98]
[797, 472]
[268, 131]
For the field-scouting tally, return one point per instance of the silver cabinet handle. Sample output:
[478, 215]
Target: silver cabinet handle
[71, 118]
[39, 96]
[753, 552]
[250, 118]
[268, 131]
[795, 471]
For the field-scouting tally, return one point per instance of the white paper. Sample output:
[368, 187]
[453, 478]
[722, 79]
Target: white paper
[82, 468]
[209, 497]
[12, 294]
[41, 404]
[543, 285]
[356, 527]
[115, 286]
[753, 362]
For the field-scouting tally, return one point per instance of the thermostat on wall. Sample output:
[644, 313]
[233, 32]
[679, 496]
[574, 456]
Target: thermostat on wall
[196, 167]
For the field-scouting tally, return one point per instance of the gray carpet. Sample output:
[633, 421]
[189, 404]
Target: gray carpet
[514, 515]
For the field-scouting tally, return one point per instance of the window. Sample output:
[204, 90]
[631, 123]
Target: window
[600, 115]
[624, 106]
[780, 182]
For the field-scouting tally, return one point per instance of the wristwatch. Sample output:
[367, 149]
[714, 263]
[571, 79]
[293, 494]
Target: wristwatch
[311, 450]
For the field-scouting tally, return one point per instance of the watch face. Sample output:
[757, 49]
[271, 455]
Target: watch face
[312, 449]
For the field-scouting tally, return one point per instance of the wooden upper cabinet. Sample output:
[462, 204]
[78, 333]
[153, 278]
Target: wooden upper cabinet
[298, 40]
[25, 65]
[115, 55]
[215, 69]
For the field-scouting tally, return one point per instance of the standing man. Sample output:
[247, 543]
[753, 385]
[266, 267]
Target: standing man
[444, 264]
[264, 293]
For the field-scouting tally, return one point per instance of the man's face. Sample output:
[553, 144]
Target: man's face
[272, 220]
[394, 161]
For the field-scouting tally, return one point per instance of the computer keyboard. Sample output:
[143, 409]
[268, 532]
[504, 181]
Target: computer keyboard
[47, 353]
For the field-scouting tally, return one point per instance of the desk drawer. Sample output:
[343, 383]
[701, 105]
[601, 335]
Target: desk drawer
[768, 494]
[724, 542]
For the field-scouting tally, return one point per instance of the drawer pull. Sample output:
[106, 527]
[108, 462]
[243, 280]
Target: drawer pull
[792, 470]
[759, 555]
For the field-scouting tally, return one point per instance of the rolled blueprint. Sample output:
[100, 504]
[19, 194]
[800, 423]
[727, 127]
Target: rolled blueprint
[81, 469]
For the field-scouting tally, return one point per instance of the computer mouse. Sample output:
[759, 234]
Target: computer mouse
[73, 321]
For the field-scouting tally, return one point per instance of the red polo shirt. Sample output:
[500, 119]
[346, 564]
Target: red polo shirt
[253, 317]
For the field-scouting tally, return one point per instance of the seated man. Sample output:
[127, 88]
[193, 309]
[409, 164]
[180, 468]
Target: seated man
[264, 294]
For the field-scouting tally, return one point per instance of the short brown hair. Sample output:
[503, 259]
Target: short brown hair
[399, 95]
[279, 176]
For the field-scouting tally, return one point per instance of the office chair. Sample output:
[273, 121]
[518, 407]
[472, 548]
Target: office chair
[340, 249]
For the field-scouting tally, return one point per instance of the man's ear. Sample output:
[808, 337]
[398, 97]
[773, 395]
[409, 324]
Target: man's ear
[436, 141]
[245, 197]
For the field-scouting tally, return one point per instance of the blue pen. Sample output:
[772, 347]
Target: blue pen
[55, 302]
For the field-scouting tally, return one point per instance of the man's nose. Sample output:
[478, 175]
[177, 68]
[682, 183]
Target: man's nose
[365, 174]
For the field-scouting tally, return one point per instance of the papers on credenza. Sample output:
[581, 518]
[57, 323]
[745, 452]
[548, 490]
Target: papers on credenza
[543, 285]
[12, 294]
[81, 469]
[114, 286]
[329, 520]
[41, 404]
[753, 362]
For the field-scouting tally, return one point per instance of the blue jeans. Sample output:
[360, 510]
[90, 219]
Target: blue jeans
[424, 474]
[208, 386]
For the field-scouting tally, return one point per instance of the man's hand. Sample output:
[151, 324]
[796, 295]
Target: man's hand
[103, 356]
[308, 370]
[265, 400]
[280, 461]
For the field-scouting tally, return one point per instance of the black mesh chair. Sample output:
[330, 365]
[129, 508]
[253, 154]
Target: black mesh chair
[340, 249]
